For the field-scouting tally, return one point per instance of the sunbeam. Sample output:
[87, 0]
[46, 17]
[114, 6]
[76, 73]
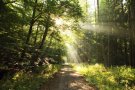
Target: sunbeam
[105, 28]
[72, 53]
[70, 40]
[59, 21]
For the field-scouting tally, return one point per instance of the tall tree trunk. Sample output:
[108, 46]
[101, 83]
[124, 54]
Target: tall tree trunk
[31, 23]
[95, 11]
[98, 10]
[35, 39]
[108, 36]
[37, 52]
[132, 20]
[50, 41]
[45, 32]
[30, 30]
[125, 34]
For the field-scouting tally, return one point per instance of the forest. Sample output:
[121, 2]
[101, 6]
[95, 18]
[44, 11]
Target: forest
[95, 38]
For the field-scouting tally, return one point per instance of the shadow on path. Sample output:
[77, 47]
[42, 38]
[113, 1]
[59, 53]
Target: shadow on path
[67, 79]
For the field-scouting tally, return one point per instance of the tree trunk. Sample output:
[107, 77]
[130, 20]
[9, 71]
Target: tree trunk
[98, 10]
[35, 39]
[30, 31]
[133, 31]
[37, 52]
[31, 23]
[131, 23]
[45, 32]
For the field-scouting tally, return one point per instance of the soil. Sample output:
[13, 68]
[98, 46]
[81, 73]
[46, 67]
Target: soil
[67, 79]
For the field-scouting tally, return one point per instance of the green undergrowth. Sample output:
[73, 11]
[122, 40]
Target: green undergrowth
[27, 80]
[111, 78]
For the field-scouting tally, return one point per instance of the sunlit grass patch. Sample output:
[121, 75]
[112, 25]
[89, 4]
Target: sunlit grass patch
[29, 81]
[113, 78]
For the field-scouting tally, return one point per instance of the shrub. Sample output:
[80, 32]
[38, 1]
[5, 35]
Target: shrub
[27, 80]
[112, 78]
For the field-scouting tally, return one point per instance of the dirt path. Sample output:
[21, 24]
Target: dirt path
[67, 79]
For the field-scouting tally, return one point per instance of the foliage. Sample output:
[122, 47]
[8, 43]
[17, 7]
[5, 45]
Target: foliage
[113, 78]
[27, 80]
[28, 30]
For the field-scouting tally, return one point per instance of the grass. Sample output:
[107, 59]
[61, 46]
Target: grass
[29, 81]
[112, 78]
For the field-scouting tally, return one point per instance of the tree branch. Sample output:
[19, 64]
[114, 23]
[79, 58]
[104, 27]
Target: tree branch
[9, 2]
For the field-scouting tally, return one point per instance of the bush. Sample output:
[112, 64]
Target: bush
[27, 80]
[113, 78]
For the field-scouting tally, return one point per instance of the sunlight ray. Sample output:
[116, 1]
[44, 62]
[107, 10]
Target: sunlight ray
[72, 54]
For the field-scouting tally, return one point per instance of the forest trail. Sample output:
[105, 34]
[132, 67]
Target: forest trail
[67, 79]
